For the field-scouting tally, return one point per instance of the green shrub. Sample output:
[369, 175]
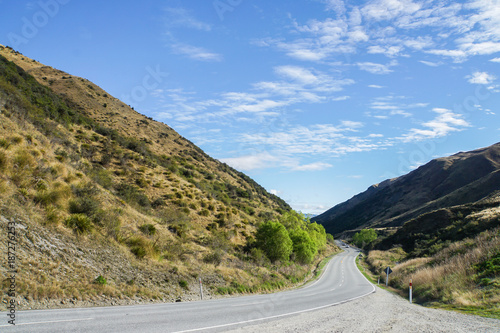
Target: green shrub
[79, 223]
[138, 251]
[204, 212]
[158, 202]
[100, 280]
[272, 237]
[102, 177]
[85, 205]
[490, 267]
[183, 284]
[131, 194]
[83, 190]
[16, 140]
[4, 143]
[47, 197]
[3, 160]
[148, 229]
[214, 257]
[141, 182]
[138, 246]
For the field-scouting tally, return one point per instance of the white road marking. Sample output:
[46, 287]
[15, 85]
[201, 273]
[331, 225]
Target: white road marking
[277, 316]
[285, 314]
[248, 304]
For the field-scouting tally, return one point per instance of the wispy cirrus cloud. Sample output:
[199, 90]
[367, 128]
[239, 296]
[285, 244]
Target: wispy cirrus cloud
[176, 18]
[430, 63]
[388, 106]
[181, 17]
[375, 68]
[444, 123]
[195, 52]
[293, 85]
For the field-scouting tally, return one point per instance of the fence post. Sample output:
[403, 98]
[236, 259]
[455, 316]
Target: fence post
[201, 290]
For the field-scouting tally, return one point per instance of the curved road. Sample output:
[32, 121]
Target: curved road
[340, 282]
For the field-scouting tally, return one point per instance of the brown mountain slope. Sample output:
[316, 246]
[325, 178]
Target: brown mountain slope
[110, 206]
[459, 179]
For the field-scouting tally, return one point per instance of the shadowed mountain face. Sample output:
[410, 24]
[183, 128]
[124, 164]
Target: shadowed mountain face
[444, 182]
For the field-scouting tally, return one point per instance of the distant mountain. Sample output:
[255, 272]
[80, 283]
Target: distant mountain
[463, 178]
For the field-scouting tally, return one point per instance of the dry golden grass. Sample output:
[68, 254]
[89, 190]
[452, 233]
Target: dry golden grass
[449, 276]
[39, 174]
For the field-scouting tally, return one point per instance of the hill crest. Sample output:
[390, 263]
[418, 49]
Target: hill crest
[462, 178]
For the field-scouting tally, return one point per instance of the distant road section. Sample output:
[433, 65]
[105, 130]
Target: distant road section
[341, 282]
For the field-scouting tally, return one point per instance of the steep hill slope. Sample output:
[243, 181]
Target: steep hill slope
[463, 178]
[110, 206]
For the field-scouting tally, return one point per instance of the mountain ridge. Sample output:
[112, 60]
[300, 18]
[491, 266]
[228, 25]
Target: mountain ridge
[461, 178]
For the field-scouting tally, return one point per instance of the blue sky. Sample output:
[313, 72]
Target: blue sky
[314, 99]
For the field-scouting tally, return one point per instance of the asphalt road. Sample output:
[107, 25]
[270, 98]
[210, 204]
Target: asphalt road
[340, 282]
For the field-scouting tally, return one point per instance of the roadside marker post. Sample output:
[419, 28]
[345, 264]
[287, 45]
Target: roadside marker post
[201, 290]
[388, 271]
[411, 291]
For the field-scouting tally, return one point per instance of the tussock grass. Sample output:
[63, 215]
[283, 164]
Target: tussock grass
[102, 180]
[453, 277]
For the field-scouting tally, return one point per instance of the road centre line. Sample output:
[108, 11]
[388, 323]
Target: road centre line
[248, 304]
[285, 314]
[276, 316]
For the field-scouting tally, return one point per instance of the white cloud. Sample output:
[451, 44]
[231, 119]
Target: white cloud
[316, 166]
[481, 78]
[376, 86]
[196, 53]
[495, 60]
[251, 162]
[335, 5]
[375, 68]
[389, 51]
[444, 123]
[447, 29]
[311, 208]
[430, 63]
[182, 18]
[297, 73]
[400, 113]
[380, 10]
[275, 192]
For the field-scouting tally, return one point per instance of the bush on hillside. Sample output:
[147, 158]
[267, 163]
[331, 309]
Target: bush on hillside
[304, 247]
[272, 238]
[79, 223]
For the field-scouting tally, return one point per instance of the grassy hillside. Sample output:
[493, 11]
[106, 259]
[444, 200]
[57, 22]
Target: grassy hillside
[112, 207]
[452, 255]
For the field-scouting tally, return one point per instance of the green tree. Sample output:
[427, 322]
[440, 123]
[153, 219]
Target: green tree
[304, 247]
[364, 237]
[294, 220]
[318, 234]
[272, 238]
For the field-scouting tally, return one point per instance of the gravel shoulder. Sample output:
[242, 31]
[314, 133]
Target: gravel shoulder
[381, 311]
